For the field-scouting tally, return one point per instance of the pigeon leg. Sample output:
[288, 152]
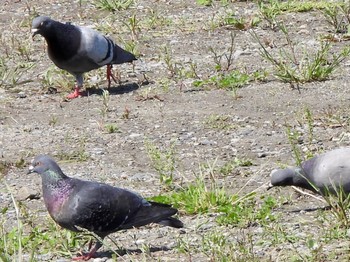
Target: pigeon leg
[76, 93]
[91, 253]
[110, 75]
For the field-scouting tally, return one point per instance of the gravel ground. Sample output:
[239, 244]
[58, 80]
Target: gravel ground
[169, 110]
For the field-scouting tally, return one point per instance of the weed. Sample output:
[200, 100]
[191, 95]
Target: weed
[204, 2]
[105, 103]
[154, 19]
[54, 76]
[289, 68]
[224, 61]
[133, 25]
[126, 113]
[53, 121]
[294, 138]
[310, 124]
[173, 67]
[112, 128]
[163, 161]
[132, 47]
[221, 122]
[76, 155]
[232, 80]
[240, 23]
[230, 165]
[113, 5]
[339, 201]
[10, 75]
[199, 198]
[270, 9]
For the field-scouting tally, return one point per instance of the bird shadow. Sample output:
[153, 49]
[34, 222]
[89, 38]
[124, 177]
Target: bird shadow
[115, 90]
[313, 209]
[122, 252]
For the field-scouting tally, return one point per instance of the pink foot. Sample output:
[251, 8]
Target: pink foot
[91, 254]
[110, 75]
[82, 258]
[77, 93]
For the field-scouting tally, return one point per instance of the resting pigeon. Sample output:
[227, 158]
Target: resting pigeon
[79, 49]
[327, 173]
[96, 207]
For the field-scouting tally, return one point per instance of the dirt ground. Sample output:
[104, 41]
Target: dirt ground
[169, 110]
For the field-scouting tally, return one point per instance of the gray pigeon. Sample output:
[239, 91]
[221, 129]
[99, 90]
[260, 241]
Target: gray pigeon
[79, 49]
[328, 173]
[96, 207]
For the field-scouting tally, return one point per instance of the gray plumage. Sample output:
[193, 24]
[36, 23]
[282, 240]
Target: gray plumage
[96, 207]
[78, 49]
[323, 174]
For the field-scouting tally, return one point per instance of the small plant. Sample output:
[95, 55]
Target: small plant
[174, 68]
[105, 103]
[221, 122]
[79, 155]
[224, 60]
[231, 165]
[291, 69]
[113, 5]
[132, 47]
[112, 128]
[53, 121]
[54, 76]
[240, 23]
[10, 75]
[339, 201]
[133, 25]
[232, 80]
[200, 198]
[338, 16]
[163, 161]
[294, 138]
[126, 113]
[204, 2]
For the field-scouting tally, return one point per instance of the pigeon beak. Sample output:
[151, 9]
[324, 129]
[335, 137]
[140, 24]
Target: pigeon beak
[35, 31]
[269, 186]
[30, 170]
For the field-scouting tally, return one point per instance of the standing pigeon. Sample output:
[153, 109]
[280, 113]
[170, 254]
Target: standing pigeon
[96, 207]
[79, 49]
[328, 173]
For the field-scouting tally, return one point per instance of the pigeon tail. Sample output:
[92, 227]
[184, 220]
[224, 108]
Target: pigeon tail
[122, 56]
[153, 213]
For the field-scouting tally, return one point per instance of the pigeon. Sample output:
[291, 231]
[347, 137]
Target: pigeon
[77, 204]
[328, 173]
[78, 49]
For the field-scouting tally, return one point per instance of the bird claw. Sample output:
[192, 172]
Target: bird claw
[77, 93]
[83, 257]
[110, 75]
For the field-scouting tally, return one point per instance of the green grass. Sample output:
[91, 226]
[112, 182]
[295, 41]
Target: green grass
[163, 161]
[220, 122]
[112, 128]
[25, 238]
[337, 15]
[113, 5]
[240, 22]
[290, 67]
[201, 198]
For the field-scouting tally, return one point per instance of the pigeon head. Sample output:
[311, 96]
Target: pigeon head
[41, 25]
[284, 177]
[46, 167]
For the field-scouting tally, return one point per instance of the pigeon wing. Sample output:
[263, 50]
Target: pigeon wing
[100, 208]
